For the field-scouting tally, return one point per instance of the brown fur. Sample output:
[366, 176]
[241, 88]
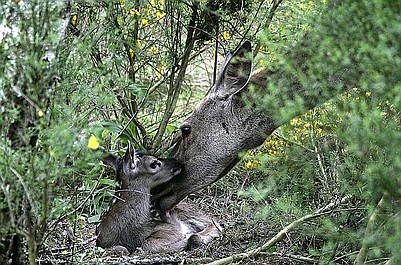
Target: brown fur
[221, 127]
[129, 223]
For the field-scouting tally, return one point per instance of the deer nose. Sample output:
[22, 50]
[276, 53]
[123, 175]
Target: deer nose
[176, 171]
[177, 167]
[155, 164]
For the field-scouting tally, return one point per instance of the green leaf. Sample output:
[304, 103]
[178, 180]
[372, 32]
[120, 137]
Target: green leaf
[94, 219]
[171, 128]
[138, 89]
[108, 182]
[112, 125]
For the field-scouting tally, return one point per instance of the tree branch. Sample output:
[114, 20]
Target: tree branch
[366, 243]
[256, 252]
[175, 89]
[272, 11]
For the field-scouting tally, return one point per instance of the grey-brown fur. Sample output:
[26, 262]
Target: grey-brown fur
[128, 221]
[221, 126]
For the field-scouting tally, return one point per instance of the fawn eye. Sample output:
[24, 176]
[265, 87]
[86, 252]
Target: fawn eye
[155, 164]
[185, 130]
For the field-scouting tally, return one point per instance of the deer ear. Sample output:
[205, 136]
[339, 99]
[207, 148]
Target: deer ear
[130, 157]
[235, 73]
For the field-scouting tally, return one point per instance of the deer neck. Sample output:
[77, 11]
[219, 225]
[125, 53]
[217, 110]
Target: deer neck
[132, 200]
[133, 207]
[127, 220]
[134, 193]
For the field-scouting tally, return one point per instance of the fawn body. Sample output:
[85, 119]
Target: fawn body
[129, 223]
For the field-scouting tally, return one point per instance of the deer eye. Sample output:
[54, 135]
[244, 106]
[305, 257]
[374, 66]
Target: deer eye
[155, 164]
[185, 130]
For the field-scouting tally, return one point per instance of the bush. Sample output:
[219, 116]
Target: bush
[131, 71]
[114, 69]
[344, 148]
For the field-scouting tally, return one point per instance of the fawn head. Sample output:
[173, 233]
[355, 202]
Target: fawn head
[139, 167]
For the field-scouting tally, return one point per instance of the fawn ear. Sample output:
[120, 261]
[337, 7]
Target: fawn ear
[108, 158]
[235, 73]
[130, 157]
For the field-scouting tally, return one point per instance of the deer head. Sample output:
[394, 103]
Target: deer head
[219, 128]
[137, 166]
[128, 222]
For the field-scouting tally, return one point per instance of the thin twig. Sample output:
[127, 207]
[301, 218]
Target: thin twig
[279, 135]
[27, 193]
[395, 259]
[53, 225]
[175, 87]
[272, 12]
[297, 257]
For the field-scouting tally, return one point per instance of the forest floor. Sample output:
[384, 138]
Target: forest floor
[73, 242]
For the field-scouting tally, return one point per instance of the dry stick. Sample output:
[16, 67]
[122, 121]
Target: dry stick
[297, 257]
[255, 252]
[363, 252]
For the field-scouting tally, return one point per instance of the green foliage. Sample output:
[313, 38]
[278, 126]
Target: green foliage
[120, 70]
[346, 147]
[131, 70]
[42, 157]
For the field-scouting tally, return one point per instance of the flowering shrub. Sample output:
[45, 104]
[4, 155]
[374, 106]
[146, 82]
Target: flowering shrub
[303, 131]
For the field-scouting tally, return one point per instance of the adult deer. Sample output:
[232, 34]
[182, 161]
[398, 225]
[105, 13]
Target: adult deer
[128, 221]
[221, 126]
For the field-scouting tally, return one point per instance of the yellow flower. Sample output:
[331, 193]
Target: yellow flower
[131, 53]
[160, 15]
[93, 143]
[144, 21]
[226, 35]
[368, 93]
[40, 113]
[249, 165]
[294, 122]
[52, 153]
[153, 50]
[134, 12]
[74, 20]
[138, 43]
